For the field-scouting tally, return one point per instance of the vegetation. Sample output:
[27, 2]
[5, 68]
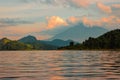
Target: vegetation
[37, 45]
[6, 44]
[26, 43]
[110, 40]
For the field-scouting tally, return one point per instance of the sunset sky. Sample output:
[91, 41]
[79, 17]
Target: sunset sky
[46, 18]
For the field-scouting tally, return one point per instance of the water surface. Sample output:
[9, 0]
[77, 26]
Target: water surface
[59, 65]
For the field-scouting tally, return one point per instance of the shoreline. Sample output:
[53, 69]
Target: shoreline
[67, 50]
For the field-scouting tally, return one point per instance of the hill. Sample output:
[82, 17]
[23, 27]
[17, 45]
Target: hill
[37, 45]
[6, 44]
[42, 43]
[109, 40]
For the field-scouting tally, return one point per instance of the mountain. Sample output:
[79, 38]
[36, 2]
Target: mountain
[54, 43]
[109, 40]
[7, 44]
[37, 45]
[4, 41]
[58, 42]
[28, 39]
[80, 33]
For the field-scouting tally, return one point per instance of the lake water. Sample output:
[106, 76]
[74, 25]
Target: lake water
[59, 65]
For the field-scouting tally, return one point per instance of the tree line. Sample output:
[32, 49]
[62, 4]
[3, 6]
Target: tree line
[109, 40]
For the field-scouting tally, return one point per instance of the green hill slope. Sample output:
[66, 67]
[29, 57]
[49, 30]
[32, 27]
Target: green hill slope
[109, 40]
[6, 44]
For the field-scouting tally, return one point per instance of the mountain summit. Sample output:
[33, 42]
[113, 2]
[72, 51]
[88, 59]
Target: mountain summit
[80, 32]
[28, 39]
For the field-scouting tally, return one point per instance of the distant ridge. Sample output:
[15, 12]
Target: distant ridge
[53, 43]
[58, 42]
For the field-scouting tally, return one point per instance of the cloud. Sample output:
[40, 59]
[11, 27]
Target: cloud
[64, 3]
[106, 22]
[116, 5]
[111, 21]
[81, 3]
[6, 22]
[108, 19]
[90, 22]
[104, 8]
[73, 19]
[69, 3]
[21, 7]
[55, 21]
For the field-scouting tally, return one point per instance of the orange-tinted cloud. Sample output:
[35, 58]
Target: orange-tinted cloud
[116, 5]
[118, 20]
[87, 21]
[104, 8]
[110, 21]
[81, 3]
[72, 3]
[86, 3]
[55, 21]
[90, 22]
[73, 19]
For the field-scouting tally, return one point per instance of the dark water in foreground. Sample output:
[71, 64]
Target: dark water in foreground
[59, 65]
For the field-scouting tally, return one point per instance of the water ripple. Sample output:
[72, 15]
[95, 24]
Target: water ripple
[60, 65]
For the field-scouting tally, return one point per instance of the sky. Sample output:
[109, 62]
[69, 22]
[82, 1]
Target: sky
[46, 18]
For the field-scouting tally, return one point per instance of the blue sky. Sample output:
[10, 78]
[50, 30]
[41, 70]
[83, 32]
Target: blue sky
[20, 18]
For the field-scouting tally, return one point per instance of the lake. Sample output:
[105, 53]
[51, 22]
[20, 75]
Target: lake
[59, 65]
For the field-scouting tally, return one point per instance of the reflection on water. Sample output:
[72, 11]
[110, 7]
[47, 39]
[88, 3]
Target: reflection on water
[60, 65]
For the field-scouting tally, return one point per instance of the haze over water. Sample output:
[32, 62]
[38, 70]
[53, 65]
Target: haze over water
[59, 65]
